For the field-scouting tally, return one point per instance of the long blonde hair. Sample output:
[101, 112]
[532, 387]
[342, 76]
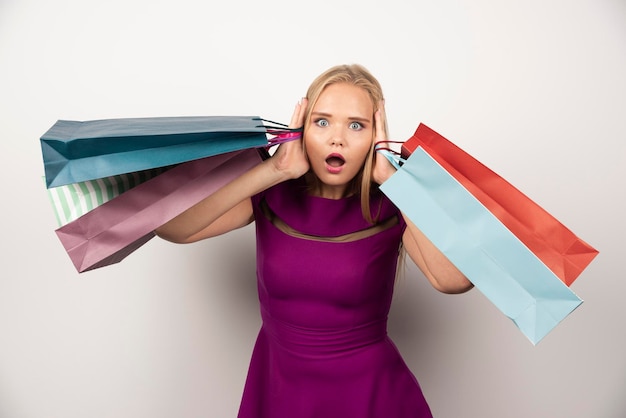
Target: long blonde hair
[359, 76]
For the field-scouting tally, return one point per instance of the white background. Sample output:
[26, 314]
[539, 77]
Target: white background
[534, 89]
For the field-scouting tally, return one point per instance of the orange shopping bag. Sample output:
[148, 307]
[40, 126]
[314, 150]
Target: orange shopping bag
[565, 254]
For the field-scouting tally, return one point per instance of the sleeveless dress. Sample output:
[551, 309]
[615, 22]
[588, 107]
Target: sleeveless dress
[325, 283]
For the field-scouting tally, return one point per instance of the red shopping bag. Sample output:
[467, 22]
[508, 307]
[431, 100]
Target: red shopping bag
[565, 254]
[112, 231]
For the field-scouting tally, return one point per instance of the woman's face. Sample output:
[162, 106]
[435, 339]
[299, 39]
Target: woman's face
[338, 136]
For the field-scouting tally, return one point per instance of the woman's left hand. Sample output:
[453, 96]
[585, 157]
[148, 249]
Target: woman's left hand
[382, 169]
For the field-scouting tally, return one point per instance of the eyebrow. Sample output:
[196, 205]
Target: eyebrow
[328, 115]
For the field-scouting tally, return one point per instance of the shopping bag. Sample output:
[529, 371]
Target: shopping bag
[112, 231]
[71, 201]
[76, 151]
[480, 246]
[558, 247]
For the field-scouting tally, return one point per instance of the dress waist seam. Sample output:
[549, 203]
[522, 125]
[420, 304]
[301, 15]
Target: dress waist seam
[308, 341]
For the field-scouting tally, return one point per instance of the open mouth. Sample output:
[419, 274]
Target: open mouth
[334, 163]
[335, 160]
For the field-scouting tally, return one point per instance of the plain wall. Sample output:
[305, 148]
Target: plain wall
[535, 90]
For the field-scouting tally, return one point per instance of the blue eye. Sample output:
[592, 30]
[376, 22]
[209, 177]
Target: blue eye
[356, 126]
[321, 122]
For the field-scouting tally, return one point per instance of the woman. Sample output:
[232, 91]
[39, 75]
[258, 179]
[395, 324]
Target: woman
[327, 249]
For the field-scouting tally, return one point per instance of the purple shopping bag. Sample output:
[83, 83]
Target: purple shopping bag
[109, 233]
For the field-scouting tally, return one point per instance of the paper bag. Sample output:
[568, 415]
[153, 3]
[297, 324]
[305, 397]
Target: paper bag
[558, 247]
[76, 151]
[112, 231]
[71, 201]
[480, 246]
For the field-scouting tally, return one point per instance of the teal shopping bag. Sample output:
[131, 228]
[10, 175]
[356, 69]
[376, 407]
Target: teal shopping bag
[480, 246]
[76, 151]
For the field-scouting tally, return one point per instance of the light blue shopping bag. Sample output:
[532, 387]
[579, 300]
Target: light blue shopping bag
[480, 246]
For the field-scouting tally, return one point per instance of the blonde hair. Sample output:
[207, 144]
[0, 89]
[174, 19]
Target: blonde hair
[359, 76]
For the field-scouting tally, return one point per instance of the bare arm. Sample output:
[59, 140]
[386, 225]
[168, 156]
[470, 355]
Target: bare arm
[439, 271]
[230, 207]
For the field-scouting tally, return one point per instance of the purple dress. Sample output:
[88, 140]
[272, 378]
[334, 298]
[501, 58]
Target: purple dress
[325, 282]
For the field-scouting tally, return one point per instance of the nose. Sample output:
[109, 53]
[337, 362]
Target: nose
[337, 137]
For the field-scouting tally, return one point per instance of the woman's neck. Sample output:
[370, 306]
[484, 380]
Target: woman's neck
[326, 191]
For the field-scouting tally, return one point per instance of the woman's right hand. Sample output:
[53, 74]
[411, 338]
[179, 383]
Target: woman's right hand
[290, 158]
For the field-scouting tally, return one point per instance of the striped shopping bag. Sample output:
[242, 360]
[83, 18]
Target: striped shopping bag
[71, 201]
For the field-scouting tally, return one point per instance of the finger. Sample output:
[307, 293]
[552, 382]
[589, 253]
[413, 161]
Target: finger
[379, 117]
[303, 108]
[297, 118]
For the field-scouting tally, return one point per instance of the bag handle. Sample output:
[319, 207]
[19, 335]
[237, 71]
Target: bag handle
[280, 132]
[393, 156]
